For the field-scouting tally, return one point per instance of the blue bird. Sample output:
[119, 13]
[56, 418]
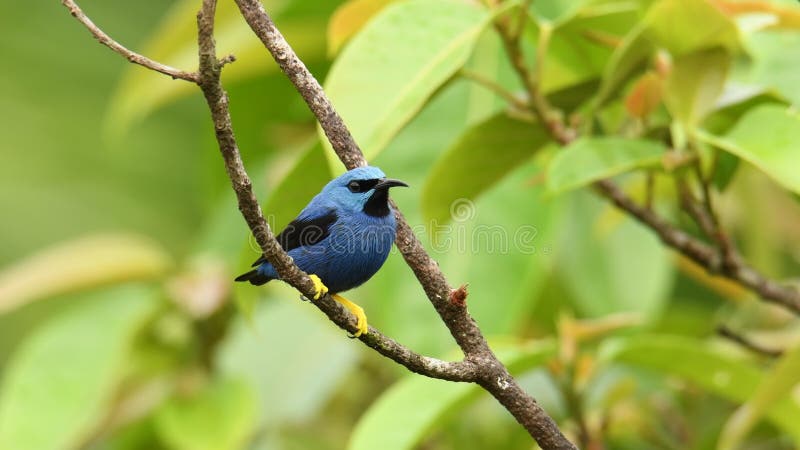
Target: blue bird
[341, 238]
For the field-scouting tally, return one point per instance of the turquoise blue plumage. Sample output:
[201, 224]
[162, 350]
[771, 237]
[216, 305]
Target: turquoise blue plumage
[343, 236]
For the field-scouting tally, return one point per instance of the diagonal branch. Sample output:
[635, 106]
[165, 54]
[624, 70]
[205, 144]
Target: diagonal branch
[724, 261]
[492, 375]
[208, 79]
[480, 365]
[217, 99]
[131, 56]
[701, 253]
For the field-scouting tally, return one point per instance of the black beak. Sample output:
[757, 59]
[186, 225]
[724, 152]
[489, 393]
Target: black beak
[386, 183]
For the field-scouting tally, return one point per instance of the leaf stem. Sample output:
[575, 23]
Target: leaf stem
[494, 87]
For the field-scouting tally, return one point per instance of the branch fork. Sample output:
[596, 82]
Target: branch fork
[479, 365]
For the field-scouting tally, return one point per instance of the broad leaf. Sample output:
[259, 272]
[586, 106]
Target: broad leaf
[736, 101]
[64, 375]
[776, 62]
[631, 54]
[293, 358]
[141, 91]
[590, 159]
[80, 264]
[502, 249]
[492, 149]
[405, 413]
[220, 416]
[776, 16]
[775, 386]
[574, 57]
[556, 11]
[766, 137]
[611, 267]
[706, 366]
[305, 180]
[694, 84]
[448, 115]
[392, 67]
[348, 20]
[686, 26]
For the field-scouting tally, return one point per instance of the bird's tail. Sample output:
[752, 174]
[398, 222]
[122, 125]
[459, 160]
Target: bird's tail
[254, 277]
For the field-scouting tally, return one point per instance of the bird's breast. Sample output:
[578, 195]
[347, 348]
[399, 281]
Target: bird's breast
[356, 249]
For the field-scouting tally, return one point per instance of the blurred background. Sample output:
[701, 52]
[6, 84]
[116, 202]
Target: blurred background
[121, 328]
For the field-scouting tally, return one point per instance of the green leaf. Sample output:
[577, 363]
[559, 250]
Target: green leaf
[573, 57]
[632, 53]
[290, 354]
[706, 366]
[305, 180]
[393, 66]
[732, 105]
[81, 264]
[448, 115]
[140, 91]
[590, 159]
[221, 416]
[65, 374]
[767, 138]
[694, 84]
[405, 413]
[492, 149]
[776, 61]
[349, 18]
[775, 386]
[502, 250]
[611, 268]
[686, 26]
[556, 11]
[736, 101]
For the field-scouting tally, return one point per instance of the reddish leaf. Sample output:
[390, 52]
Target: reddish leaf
[645, 96]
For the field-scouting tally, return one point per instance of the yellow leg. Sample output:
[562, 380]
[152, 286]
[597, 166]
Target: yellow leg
[318, 286]
[357, 311]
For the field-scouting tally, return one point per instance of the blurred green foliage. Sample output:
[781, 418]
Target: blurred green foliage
[120, 327]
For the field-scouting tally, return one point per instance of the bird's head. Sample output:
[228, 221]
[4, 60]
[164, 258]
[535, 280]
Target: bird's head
[362, 189]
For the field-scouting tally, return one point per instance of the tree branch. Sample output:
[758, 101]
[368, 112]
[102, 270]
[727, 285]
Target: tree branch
[747, 343]
[725, 261]
[491, 374]
[217, 99]
[208, 80]
[131, 56]
[480, 364]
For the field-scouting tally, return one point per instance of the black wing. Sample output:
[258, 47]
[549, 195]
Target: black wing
[303, 232]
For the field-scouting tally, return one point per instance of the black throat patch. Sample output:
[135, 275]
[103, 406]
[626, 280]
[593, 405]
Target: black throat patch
[378, 204]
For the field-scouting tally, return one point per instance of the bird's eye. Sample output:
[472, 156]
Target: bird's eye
[354, 186]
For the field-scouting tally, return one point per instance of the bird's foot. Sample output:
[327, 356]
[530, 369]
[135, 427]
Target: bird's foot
[361, 318]
[319, 287]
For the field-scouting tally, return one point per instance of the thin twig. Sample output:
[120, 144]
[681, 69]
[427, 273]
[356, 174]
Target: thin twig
[539, 105]
[496, 88]
[747, 343]
[131, 56]
[692, 207]
[727, 263]
[522, 18]
[650, 188]
[727, 250]
[702, 253]
[208, 79]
